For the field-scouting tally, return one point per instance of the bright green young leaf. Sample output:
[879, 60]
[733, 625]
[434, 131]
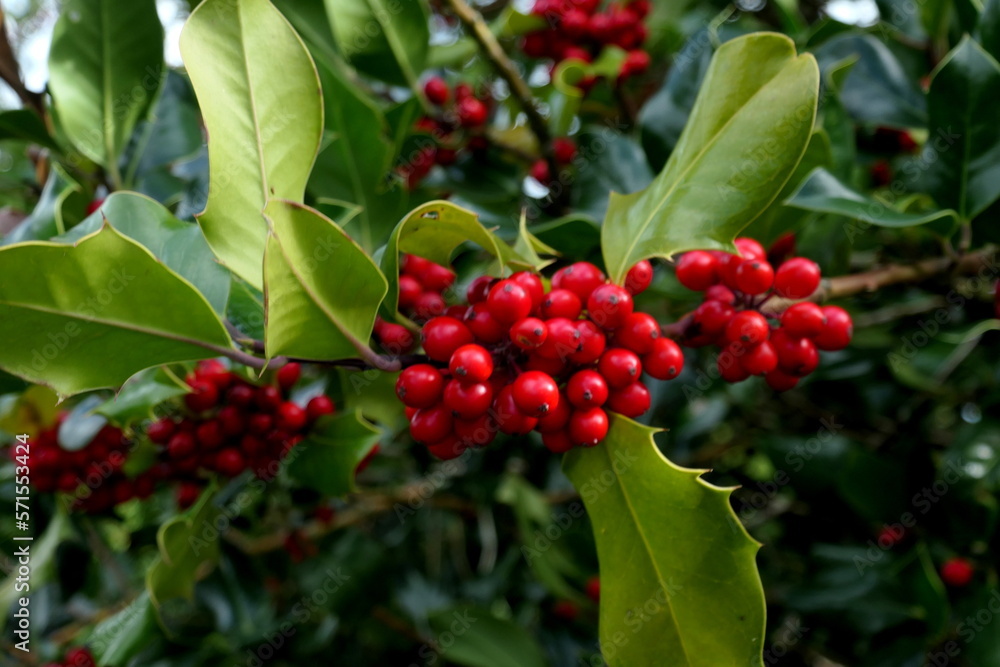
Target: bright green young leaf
[528, 246]
[384, 39]
[140, 395]
[355, 161]
[748, 130]
[105, 66]
[483, 640]
[179, 245]
[118, 638]
[667, 541]
[26, 125]
[823, 193]
[964, 136]
[261, 101]
[321, 290]
[62, 204]
[326, 461]
[106, 310]
[189, 548]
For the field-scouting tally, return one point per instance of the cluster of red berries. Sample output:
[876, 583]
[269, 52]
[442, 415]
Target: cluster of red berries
[564, 151]
[518, 358]
[461, 116]
[422, 285]
[578, 29]
[75, 657]
[93, 474]
[230, 425]
[783, 348]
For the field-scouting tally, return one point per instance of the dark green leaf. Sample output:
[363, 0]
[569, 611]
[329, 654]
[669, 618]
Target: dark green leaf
[479, 639]
[26, 125]
[326, 461]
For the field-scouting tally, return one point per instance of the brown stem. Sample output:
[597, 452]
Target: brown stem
[10, 71]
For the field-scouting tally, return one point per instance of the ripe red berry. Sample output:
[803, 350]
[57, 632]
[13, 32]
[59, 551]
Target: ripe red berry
[437, 91]
[214, 371]
[638, 333]
[529, 333]
[508, 302]
[587, 389]
[479, 289]
[697, 270]
[420, 386]
[471, 363]
[796, 356]
[588, 427]
[181, 445]
[564, 148]
[957, 571]
[581, 278]
[557, 442]
[591, 342]
[288, 375]
[748, 327]
[803, 320]
[797, 278]
[838, 330]
[468, 400]
[410, 290]
[665, 360]
[556, 418]
[395, 338]
[711, 318]
[531, 284]
[436, 278]
[561, 303]
[241, 395]
[609, 306]
[635, 63]
[620, 367]
[483, 326]
[472, 112]
[204, 396]
[477, 432]
[429, 425]
[510, 419]
[231, 420]
[720, 293]
[451, 447]
[593, 587]
[754, 276]
[187, 494]
[535, 393]
[760, 359]
[781, 381]
[319, 406]
[428, 305]
[574, 23]
[562, 340]
[210, 434]
[260, 423]
[540, 172]
[750, 249]
[268, 398]
[730, 367]
[631, 401]
[443, 335]
[159, 431]
[639, 277]
[79, 656]
[230, 462]
[290, 417]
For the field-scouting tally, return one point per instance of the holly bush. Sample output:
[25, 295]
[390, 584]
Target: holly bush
[512, 333]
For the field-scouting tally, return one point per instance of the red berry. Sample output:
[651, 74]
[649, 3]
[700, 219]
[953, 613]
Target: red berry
[638, 333]
[471, 363]
[204, 396]
[557, 418]
[510, 419]
[214, 371]
[181, 445]
[531, 284]
[838, 330]
[319, 406]
[463, 91]
[564, 148]
[750, 249]
[591, 343]
[79, 657]
[288, 375]
[210, 434]
[588, 427]
[451, 447]
[483, 326]
[748, 327]
[187, 494]
[410, 290]
[720, 293]
[472, 112]
[760, 359]
[230, 462]
[260, 423]
[290, 417]
[477, 432]
[957, 571]
[697, 270]
[557, 442]
[665, 360]
[540, 172]
[797, 278]
[620, 367]
[561, 303]
[781, 381]
[420, 386]
[231, 420]
[479, 289]
[754, 276]
[508, 302]
[395, 338]
[268, 398]
[160, 431]
[574, 23]
[432, 424]
[443, 335]
[710, 318]
[609, 306]
[428, 305]
[803, 320]
[468, 400]
[581, 278]
[587, 389]
[535, 393]
[636, 62]
[639, 277]
[631, 401]
[796, 356]
[437, 91]
[241, 395]
[593, 587]
[562, 340]
[529, 333]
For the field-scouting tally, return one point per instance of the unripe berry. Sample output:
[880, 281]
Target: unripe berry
[797, 278]
[588, 427]
[639, 277]
[437, 91]
[420, 386]
[443, 335]
[838, 330]
[638, 333]
[803, 320]
[471, 363]
[631, 401]
[587, 389]
[535, 393]
[665, 360]
[468, 400]
[609, 306]
[697, 270]
[508, 302]
[529, 333]
[620, 367]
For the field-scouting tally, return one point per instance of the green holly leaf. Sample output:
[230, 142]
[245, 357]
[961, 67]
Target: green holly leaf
[118, 638]
[62, 204]
[105, 67]
[678, 576]
[26, 125]
[748, 130]
[321, 290]
[264, 113]
[106, 310]
[140, 395]
[479, 639]
[188, 549]
[327, 459]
